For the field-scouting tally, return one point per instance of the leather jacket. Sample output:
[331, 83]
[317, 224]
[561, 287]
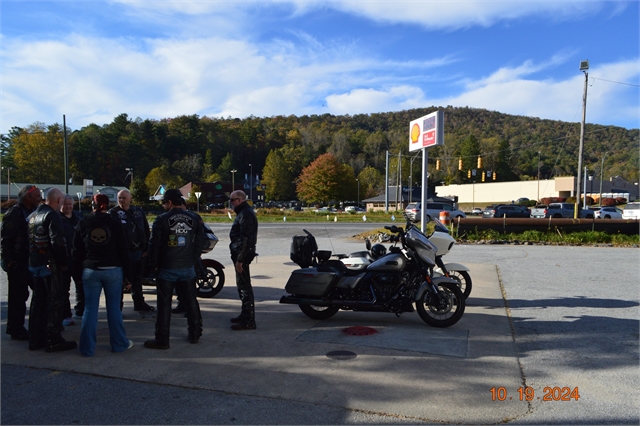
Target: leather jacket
[99, 242]
[243, 234]
[177, 240]
[14, 240]
[47, 245]
[135, 225]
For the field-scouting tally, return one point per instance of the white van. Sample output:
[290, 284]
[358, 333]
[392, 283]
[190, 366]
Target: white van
[631, 211]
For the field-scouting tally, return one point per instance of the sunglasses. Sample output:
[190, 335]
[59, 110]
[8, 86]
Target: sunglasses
[235, 199]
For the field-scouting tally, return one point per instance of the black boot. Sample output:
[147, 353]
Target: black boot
[244, 325]
[58, 344]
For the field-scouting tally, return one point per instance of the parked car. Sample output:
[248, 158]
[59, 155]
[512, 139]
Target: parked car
[559, 210]
[476, 210]
[325, 210]
[433, 210]
[607, 213]
[508, 210]
[631, 211]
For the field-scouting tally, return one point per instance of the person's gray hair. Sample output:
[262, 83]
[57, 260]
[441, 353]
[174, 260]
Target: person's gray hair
[68, 197]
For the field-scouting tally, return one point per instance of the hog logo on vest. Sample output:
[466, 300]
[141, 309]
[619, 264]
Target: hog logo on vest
[180, 224]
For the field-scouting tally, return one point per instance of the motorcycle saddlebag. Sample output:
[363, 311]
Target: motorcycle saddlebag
[310, 282]
[302, 248]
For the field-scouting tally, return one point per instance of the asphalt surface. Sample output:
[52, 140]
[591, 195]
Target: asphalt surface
[541, 316]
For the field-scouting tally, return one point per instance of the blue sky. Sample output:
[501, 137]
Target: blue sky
[93, 60]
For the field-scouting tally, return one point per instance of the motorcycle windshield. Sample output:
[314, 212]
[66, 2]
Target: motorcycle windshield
[438, 226]
[420, 244]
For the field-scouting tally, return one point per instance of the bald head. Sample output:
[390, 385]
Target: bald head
[55, 197]
[124, 199]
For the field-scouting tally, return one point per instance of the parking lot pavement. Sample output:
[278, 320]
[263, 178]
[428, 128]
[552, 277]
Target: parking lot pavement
[407, 370]
[565, 323]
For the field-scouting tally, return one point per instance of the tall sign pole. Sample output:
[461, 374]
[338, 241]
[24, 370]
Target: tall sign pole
[424, 133]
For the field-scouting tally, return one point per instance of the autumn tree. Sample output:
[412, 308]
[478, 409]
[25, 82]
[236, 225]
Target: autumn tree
[161, 176]
[38, 153]
[325, 179]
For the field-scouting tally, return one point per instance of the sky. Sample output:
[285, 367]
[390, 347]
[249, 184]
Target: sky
[93, 60]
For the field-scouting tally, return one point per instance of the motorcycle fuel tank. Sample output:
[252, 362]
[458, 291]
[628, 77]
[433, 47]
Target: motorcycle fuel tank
[390, 262]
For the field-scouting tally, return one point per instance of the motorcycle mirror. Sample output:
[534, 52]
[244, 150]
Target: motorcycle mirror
[367, 244]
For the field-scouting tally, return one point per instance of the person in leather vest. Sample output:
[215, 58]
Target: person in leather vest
[15, 259]
[243, 236]
[47, 258]
[177, 240]
[136, 230]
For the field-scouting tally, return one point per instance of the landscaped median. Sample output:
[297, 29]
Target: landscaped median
[564, 226]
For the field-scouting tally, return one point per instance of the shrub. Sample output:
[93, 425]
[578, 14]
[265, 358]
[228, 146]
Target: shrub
[608, 202]
[8, 204]
[621, 200]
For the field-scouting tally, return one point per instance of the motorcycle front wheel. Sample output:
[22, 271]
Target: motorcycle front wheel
[464, 280]
[212, 283]
[318, 312]
[442, 311]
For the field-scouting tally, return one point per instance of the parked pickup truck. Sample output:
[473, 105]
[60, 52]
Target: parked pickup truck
[559, 210]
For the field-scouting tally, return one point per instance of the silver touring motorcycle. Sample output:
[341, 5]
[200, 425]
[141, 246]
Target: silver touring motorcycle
[392, 282]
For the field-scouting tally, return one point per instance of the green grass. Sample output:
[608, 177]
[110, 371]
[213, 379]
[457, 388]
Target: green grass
[574, 238]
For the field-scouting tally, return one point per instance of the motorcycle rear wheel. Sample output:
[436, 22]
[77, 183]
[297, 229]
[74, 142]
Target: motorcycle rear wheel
[464, 280]
[444, 313]
[318, 312]
[212, 283]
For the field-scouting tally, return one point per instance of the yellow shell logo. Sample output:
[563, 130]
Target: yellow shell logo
[415, 133]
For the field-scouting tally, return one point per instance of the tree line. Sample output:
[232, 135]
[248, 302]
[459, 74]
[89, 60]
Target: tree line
[349, 153]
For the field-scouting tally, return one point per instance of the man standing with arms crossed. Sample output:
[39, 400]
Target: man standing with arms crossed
[15, 259]
[136, 229]
[47, 259]
[177, 240]
[243, 236]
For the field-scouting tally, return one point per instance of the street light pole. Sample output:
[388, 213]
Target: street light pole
[358, 180]
[584, 67]
[233, 180]
[8, 182]
[411, 175]
[601, 175]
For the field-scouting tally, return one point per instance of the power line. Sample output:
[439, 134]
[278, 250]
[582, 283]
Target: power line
[617, 82]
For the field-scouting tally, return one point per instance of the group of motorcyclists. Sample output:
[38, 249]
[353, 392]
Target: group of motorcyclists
[45, 245]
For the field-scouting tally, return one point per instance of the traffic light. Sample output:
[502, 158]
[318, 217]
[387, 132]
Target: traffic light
[469, 174]
[483, 177]
[479, 162]
[460, 164]
[494, 175]
[437, 164]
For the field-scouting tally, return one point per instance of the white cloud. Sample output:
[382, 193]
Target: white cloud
[435, 14]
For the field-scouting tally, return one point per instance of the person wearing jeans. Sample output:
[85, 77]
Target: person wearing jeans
[99, 245]
[177, 240]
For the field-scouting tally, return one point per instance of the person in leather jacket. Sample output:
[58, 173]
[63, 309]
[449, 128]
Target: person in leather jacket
[177, 240]
[47, 258]
[136, 230]
[70, 219]
[243, 236]
[15, 259]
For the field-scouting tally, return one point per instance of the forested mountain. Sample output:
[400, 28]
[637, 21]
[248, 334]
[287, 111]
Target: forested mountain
[192, 148]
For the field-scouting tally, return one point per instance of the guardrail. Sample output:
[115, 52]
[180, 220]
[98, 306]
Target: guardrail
[517, 225]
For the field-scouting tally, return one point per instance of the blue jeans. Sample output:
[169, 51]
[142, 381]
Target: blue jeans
[93, 281]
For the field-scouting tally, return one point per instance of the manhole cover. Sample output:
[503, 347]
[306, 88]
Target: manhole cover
[359, 331]
[341, 355]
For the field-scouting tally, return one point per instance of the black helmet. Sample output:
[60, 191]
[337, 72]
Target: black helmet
[378, 250]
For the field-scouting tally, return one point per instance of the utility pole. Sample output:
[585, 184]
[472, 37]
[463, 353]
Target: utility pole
[66, 155]
[584, 67]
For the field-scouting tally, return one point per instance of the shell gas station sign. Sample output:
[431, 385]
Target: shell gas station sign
[427, 131]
